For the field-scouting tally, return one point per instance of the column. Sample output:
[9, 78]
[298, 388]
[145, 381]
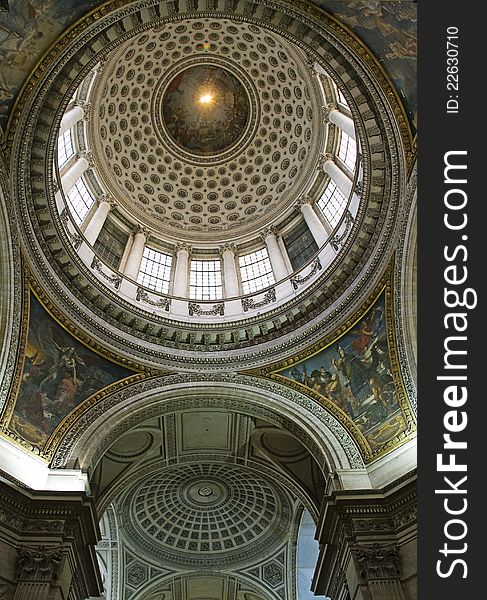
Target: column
[47, 553]
[341, 179]
[276, 258]
[319, 229]
[230, 274]
[378, 565]
[71, 176]
[181, 273]
[39, 570]
[70, 118]
[136, 252]
[368, 543]
[97, 221]
[342, 121]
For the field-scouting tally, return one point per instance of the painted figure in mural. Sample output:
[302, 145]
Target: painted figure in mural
[66, 364]
[354, 372]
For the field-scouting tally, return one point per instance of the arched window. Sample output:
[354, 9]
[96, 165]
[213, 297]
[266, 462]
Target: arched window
[348, 151]
[341, 99]
[306, 558]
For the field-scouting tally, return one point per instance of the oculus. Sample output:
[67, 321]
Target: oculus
[205, 109]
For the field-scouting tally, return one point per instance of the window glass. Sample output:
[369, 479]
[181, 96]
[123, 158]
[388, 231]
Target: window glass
[332, 204]
[341, 99]
[255, 271]
[110, 244]
[348, 151]
[205, 282]
[300, 245]
[155, 270]
[79, 200]
[65, 148]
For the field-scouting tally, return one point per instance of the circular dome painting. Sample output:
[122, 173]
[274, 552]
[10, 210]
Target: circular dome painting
[205, 109]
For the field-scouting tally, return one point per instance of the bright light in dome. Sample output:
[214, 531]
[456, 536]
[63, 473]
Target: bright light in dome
[206, 98]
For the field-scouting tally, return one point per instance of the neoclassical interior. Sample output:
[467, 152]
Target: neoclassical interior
[208, 269]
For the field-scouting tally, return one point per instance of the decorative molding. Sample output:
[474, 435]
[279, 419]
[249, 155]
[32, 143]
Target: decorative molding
[75, 238]
[251, 304]
[97, 265]
[315, 268]
[196, 309]
[338, 240]
[68, 434]
[164, 303]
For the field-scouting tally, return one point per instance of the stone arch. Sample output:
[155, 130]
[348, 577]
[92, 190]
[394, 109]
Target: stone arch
[11, 286]
[85, 442]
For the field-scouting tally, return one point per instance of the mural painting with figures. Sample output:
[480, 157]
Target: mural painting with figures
[58, 374]
[355, 374]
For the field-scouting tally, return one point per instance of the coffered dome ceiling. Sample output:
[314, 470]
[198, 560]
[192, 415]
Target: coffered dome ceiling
[262, 70]
[205, 129]
[205, 514]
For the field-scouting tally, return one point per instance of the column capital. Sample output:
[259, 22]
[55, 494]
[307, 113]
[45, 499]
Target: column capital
[184, 246]
[108, 199]
[39, 563]
[378, 561]
[324, 158]
[88, 156]
[139, 229]
[271, 230]
[227, 248]
[327, 110]
[306, 199]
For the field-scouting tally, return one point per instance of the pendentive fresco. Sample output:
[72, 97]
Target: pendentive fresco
[58, 374]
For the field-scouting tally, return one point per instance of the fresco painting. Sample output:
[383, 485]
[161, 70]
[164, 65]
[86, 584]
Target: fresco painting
[389, 29]
[355, 374]
[27, 30]
[58, 374]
